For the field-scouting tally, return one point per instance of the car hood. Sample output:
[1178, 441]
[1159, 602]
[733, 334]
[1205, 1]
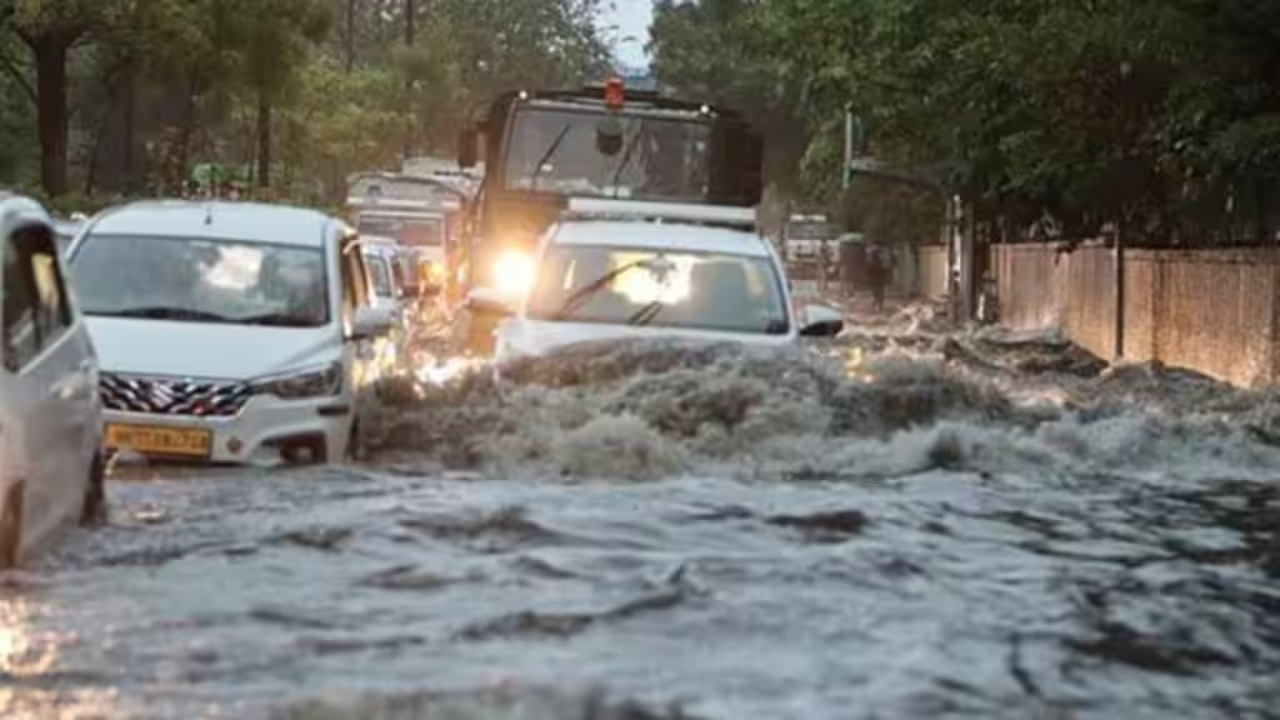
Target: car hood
[208, 350]
[524, 338]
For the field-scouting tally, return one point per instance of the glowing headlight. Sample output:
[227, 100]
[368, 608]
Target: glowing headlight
[513, 273]
[309, 383]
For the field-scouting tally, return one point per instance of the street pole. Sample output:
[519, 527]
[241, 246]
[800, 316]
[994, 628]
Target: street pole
[410, 31]
[848, 146]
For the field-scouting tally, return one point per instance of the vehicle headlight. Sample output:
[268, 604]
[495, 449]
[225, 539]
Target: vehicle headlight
[513, 272]
[299, 384]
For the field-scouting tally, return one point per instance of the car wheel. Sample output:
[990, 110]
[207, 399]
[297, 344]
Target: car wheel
[94, 511]
[11, 527]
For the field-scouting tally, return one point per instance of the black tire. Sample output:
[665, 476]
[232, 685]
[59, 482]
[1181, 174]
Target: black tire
[94, 510]
[11, 519]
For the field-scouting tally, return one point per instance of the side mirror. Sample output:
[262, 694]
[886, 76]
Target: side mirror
[821, 321]
[491, 302]
[467, 151]
[371, 322]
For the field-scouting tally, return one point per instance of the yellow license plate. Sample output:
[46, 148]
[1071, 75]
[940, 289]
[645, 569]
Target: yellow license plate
[159, 440]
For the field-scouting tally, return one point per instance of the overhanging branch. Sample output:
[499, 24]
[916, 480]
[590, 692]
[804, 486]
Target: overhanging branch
[11, 66]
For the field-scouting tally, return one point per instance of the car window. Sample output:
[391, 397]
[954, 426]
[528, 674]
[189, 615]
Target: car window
[705, 291]
[37, 310]
[201, 280]
[380, 273]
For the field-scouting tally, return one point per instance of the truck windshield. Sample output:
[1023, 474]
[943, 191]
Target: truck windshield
[660, 158]
[406, 230]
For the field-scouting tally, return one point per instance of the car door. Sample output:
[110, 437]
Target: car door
[357, 293]
[50, 370]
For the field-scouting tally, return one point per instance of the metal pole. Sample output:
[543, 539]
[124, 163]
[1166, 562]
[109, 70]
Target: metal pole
[848, 146]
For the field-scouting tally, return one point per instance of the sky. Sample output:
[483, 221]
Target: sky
[632, 18]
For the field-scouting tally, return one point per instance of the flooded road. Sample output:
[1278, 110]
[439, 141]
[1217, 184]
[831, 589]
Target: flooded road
[900, 523]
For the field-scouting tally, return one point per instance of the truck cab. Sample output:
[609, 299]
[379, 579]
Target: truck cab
[543, 148]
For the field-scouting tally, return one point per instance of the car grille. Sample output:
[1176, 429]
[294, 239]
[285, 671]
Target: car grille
[198, 398]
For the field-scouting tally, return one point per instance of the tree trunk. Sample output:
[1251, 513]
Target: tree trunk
[410, 22]
[264, 140]
[351, 35]
[132, 181]
[51, 87]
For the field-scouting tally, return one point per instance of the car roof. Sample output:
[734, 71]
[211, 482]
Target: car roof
[18, 211]
[674, 236]
[254, 222]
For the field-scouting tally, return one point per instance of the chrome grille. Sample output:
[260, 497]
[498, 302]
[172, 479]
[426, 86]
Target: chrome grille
[198, 398]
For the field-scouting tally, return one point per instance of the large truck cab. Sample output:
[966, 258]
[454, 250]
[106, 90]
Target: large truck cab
[541, 148]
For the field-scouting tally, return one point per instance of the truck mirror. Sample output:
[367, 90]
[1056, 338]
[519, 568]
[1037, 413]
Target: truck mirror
[467, 148]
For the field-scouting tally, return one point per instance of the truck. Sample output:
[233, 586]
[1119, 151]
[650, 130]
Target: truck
[810, 249]
[543, 147]
[422, 214]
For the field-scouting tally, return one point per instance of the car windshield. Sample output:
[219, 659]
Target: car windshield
[409, 231]
[380, 272]
[702, 291]
[656, 159]
[201, 280]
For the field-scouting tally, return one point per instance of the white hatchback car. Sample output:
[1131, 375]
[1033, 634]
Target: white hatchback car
[51, 467]
[235, 333]
[615, 270]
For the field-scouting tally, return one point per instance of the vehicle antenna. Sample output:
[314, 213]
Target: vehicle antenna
[208, 214]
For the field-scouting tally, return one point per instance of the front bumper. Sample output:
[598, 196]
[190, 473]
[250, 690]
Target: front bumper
[267, 431]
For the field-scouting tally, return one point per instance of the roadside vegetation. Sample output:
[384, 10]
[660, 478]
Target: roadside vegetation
[1162, 116]
[108, 98]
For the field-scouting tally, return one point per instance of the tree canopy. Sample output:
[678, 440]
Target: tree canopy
[1162, 115]
[107, 97]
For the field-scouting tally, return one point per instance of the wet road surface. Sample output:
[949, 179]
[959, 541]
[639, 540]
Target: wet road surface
[901, 523]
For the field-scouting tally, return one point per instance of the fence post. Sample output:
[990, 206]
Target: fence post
[1118, 354]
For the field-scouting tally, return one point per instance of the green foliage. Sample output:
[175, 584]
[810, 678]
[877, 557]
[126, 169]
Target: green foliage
[1163, 114]
[154, 88]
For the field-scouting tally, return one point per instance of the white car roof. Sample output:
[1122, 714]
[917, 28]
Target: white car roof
[17, 211]
[253, 222]
[671, 236]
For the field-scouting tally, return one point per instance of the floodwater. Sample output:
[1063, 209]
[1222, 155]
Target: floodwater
[900, 523]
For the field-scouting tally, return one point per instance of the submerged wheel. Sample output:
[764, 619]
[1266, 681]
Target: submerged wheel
[11, 526]
[355, 452]
[94, 510]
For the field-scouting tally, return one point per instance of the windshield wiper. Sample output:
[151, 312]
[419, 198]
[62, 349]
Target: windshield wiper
[586, 292]
[626, 159]
[646, 314]
[551, 150]
[166, 313]
[279, 320]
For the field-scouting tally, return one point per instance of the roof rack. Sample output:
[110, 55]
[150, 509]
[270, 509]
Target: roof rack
[606, 209]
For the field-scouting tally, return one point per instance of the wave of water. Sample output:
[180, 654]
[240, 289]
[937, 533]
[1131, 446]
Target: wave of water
[903, 522]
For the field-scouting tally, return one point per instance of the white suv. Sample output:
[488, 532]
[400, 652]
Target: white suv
[51, 468]
[621, 269]
[235, 333]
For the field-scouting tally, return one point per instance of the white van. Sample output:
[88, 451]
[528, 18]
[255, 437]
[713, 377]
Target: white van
[51, 467]
[233, 333]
